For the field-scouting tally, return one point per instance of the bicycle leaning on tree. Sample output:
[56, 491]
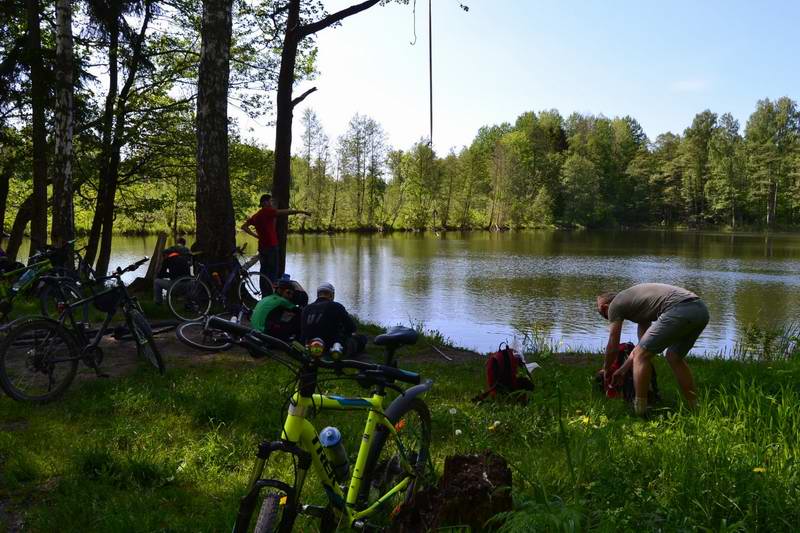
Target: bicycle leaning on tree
[191, 298]
[393, 459]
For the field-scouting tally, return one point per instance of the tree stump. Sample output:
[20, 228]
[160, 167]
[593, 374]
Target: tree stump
[146, 283]
[472, 489]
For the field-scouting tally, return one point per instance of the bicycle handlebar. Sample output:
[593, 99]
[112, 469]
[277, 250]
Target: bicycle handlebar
[120, 271]
[264, 340]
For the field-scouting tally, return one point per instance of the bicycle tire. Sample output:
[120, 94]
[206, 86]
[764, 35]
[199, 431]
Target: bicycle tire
[145, 343]
[269, 515]
[195, 335]
[382, 469]
[65, 290]
[36, 339]
[189, 298]
[250, 292]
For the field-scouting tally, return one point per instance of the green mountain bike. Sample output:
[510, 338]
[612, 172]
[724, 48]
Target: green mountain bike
[393, 458]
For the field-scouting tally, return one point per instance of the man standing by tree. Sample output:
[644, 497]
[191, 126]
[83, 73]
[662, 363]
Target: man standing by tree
[264, 223]
[669, 318]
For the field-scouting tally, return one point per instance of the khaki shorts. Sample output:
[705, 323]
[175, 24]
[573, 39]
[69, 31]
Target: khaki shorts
[677, 329]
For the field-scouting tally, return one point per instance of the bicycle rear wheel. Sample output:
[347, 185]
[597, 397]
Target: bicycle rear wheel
[196, 335]
[38, 360]
[145, 344]
[253, 287]
[189, 298]
[384, 468]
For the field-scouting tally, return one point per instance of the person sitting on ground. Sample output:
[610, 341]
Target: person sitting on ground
[175, 263]
[276, 315]
[330, 321]
[670, 318]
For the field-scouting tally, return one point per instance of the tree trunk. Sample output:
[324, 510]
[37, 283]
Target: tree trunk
[107, 133]
[5, 180]
[106, 235]
[24, 215]
[216, 234]
[282, 175]
[38, 101]
[63, 211]
[117, 142]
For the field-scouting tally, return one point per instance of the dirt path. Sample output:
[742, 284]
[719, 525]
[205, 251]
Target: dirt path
[120, 357]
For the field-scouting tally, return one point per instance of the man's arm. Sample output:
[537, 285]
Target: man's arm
[246, 228]
[348, 325]
[615, 332]
[642, 329]
[292, 212]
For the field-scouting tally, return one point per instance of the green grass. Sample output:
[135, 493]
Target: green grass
[172, 453]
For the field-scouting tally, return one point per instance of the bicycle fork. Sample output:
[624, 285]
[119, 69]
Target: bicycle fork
[248, 503]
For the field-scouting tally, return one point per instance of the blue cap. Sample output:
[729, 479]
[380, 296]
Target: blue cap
[330, 436]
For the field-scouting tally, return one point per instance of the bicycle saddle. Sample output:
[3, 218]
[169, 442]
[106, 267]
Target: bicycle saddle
[397, 336]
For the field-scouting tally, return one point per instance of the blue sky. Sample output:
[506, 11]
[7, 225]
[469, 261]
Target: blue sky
[660, 62]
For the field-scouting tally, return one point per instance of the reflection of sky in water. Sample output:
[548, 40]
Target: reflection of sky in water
[478, 288]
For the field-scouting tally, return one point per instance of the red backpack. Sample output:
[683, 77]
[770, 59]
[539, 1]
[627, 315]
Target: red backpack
[501, 370]
[502, 377]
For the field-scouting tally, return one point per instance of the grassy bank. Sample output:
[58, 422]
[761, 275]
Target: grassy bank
[150, 453]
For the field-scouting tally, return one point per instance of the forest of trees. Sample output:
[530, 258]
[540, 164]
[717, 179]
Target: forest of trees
[548, 170]
[120, 105]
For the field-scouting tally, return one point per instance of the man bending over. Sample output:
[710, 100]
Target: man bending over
[669, 318]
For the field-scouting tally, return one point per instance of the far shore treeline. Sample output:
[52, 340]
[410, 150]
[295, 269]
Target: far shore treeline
[544, 170]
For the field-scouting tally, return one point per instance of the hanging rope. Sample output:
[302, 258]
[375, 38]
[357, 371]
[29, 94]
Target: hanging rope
[414, 24]
[430, 66]
[430, 57]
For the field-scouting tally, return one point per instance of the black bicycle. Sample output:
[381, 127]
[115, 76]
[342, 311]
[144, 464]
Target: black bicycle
[39, 356]
[191, 298]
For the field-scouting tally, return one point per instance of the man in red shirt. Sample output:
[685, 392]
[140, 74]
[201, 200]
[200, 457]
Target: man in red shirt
[264, 223]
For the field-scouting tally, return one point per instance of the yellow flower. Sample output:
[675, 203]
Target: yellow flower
[584, 420]
[759, 469]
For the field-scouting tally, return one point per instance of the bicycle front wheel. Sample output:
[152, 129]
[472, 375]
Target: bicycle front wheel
[189, 298]
[269, 517]
[196, 335]
[64, 291]
[252, 288]
[389, 455]
[145, 344]
[38, 360]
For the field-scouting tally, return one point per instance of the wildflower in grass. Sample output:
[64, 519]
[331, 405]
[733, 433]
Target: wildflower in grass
[458, 433]
[494, 425]
[453, 410]
[759, 469]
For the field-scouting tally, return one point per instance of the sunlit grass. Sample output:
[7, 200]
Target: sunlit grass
[172, 453]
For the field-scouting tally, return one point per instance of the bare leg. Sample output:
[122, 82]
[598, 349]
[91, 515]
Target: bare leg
[683, 375]
[641, 378]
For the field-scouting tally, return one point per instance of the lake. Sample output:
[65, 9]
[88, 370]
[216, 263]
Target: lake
[481, 288]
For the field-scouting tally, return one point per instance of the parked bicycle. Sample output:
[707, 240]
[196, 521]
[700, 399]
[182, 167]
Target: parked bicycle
[393, 458]
[192, 297]
[39, 356]
[30, 281]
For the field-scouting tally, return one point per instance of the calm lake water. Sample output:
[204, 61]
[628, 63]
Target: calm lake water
[479, 289]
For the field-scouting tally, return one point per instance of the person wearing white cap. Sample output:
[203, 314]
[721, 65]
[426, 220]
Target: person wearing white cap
[329, 320]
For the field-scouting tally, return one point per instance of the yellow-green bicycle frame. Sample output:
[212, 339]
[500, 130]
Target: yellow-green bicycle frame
[299, 431]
